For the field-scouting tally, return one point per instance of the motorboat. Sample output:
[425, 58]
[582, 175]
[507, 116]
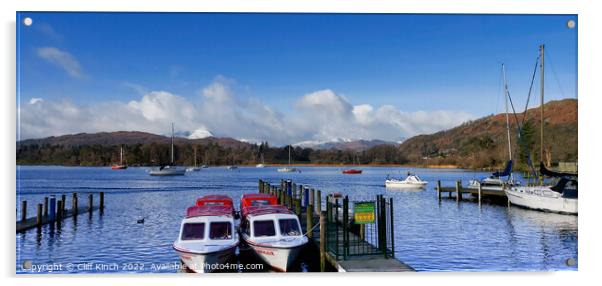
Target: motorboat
[257, 199]
[232, 167]
[121, 165]
[262, 164]
[562, 197]
[169, 170]
[273, 234]
[352, 171]
[288, 169]
[412, 181]
[207, 237]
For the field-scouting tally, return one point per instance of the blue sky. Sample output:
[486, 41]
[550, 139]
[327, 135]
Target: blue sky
[288, 63]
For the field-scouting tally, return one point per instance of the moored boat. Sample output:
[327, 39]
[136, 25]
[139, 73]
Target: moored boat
[169, 170]
[352, 171]
[271, 233]
[120, 166]
[207, 237]
[288, 169]
[412, 181]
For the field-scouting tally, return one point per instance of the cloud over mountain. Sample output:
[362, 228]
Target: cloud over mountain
[322, 115]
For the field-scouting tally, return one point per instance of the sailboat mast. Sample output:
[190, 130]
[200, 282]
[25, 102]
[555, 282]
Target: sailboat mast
[172, 132]
[289, 155]
[195, 156]
[506, 95]
[541, 68]
[121, 157]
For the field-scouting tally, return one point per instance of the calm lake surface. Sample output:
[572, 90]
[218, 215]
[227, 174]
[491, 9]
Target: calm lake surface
[430, 235]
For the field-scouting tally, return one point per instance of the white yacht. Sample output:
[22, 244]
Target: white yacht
[412, 181]
[288, 169]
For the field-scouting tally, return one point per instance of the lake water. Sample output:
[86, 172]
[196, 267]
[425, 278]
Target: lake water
[429, 235]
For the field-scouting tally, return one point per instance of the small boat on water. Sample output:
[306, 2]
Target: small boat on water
[207, 235]
[232, 167]
[288, 169]
[412, 181]
[352, 171]
[562, 197]
[120, 166]
[194, 168]
[262, 164]
[270, 232]
[169, 170]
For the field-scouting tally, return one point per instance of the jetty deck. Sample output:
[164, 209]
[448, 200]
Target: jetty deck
[458, 190]
[350, 251]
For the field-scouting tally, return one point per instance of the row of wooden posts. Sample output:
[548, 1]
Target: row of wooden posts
[292, 199]
[55, 210]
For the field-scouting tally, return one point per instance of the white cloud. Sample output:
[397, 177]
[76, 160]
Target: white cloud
[35, 100]
[319, 116]
[61, 59]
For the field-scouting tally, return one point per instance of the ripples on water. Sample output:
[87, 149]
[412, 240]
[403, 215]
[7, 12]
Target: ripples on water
[429, 235]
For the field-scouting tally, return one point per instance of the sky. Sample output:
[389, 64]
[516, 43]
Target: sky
[282, 78]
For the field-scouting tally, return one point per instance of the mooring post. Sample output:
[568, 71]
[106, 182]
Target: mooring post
[52, 208]
[310, 214]
[323, 226]
[298, 208]
[23, 211]
[458, 193]
[45, 206]
[480, 193]
[259, 186]
[64, 199]
[439, 189]
[319, 202]
[74, 204]
[90, 206]
[59, 214]
[102, 201]
[391, 227]
[39, 217]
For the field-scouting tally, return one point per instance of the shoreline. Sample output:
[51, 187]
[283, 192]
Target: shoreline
[275, 165]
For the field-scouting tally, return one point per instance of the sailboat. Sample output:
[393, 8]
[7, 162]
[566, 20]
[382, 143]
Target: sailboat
[562, 196]
[169, 170]
[262, 164]
[288, 169]
[121, 166]
[495, 183]
[195, 168]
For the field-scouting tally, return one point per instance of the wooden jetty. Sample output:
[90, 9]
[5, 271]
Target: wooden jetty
[53, 210]
[339, 246]
[458, 190]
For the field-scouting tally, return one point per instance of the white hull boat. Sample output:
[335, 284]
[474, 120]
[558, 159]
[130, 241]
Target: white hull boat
[272, 234]
[207, 239]
[412, 182]
[542, 198]
[168, 171]
[260, 166]
[287, 170]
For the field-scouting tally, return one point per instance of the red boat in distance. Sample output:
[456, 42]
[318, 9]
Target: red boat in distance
[214, 200]
[352, 171]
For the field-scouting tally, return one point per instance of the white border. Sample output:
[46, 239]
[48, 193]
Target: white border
[589, 110]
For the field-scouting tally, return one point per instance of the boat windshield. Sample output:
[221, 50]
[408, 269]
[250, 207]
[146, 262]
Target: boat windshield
[193, 231]
[289, 227]
[220, 230]
[260, 202]
[263, 228]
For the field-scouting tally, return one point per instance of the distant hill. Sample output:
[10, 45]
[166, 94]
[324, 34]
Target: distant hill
[483, 143]
[344, 144]
[127, 138]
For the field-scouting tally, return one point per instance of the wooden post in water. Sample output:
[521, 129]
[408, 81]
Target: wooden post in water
[260, 186]
[102, 201]
[90, 206]
[64, 199]
[323, 226]
[23, 210]
[480, 193]
[458, 192]
[319, 202]
[74, 204]
[39, 217]
[439, 189]
[309, 211]
[298, 208]
[45, 206]
[59, 214]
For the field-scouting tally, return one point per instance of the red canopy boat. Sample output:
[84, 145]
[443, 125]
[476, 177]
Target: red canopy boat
[219, 200]
[352, 171]
[251, 200]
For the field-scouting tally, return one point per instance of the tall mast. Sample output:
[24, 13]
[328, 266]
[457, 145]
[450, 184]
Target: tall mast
[195, 156]
[506, 95]
[121, 157]
[289, 155]
[172, 143]
[541, 68]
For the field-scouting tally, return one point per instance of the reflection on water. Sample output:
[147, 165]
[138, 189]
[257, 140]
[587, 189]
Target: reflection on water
[430, 235]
